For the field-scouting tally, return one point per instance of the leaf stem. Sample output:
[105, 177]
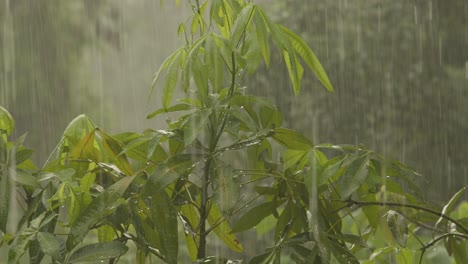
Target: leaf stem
[392, 204]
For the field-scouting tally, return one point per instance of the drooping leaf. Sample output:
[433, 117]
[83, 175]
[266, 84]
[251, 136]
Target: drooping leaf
[191, 220]
[169, 171]
[105, 233]
[354, 176]
[214, 64]
[174, 108]
[264, 258]
[227, 187]
[167, 62]
[20, 245]
[450, 205]
[170, 81]
[292, 156]
[308, 56]
[222, 229]
[103, 205]
[295, 69]
[49, 244]
[335, 167]
[252, 217]
[7, 122]
[77, 129]
[195, 124]
[262, 37]
[5, 185]
[292, 139]
[398, 227]
[22, 155]
[164, 216]
[98, 251]
[270, 117]
[241, 23]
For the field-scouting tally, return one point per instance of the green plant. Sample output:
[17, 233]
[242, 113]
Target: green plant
[224, 166]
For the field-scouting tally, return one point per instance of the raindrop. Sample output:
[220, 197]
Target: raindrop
[415, 15]
[466, 69]
[379, 14]
[430, 11]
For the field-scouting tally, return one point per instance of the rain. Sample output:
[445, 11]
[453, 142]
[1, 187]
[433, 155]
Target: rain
[399, 70]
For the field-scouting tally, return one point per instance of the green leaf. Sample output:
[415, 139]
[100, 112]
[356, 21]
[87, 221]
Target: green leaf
[5, 186]
[98, 251]
[200, 76]
[295, 69]
[174, 108]
[170, 171]
[264, 258]
[450, 205]
[164, 216]
[20, 245]
[49, 244]
[77, 129]
[227, 187]
[7, 122]
[270, 117]
[24, 178]
[292, 139]
[241, 23]
[105, 233]
[103, 205]
[354, 176]
[262, 37]
[214, 64]
[191, 219]
[244, 117]
[195, 123]
[254, 216]
[335, 166]
[22, 155]
[291, 157]
[301, 47]
[398, 227]
[171, 79]
[112, 152]
[163, 66]
[222, 229]
[193, 55]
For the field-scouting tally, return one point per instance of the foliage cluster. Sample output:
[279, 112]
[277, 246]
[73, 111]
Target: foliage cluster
[224, 166]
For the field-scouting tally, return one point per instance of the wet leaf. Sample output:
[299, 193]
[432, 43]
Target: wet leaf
[7, 123]
[222, 229]
[292, 139]
[308, 56]
[164, 217]
[49, 244]
[398, 227]
[98, 251]
[354, 176]
[254, 216]
[450, 205]
[195, 124]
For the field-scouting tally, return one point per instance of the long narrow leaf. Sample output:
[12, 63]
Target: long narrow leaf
[98, 251]
[308, 56]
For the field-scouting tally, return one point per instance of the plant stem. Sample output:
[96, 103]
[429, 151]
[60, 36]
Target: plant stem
[213, 142]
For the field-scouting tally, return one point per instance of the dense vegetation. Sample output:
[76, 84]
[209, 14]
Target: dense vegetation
[224, 166]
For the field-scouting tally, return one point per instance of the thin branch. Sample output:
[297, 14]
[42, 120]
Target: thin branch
[392, 204]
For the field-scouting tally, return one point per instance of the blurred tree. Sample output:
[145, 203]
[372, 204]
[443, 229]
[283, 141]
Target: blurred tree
[398, 69]
[40, 73]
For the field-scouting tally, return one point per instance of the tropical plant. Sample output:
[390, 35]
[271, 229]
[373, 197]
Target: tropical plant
[226, 165]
